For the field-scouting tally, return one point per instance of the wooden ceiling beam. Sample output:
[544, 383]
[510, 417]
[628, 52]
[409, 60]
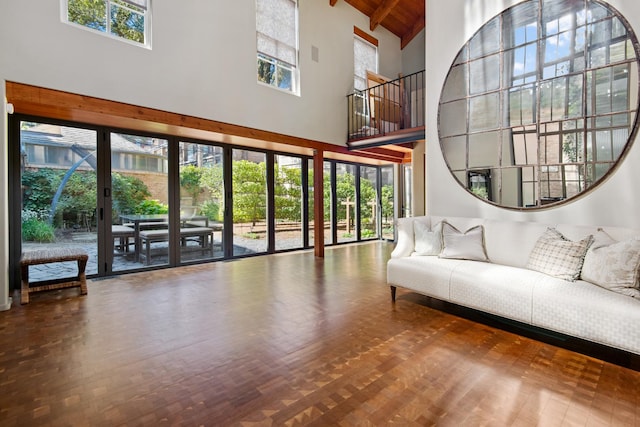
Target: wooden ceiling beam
[381, 12]
[332, 2]
[418, 26]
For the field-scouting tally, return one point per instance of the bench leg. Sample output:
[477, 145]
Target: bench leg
[24, 285]
[82, 277]
[147, 251]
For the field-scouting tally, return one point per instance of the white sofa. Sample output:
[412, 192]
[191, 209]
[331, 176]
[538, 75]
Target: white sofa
[505, 287]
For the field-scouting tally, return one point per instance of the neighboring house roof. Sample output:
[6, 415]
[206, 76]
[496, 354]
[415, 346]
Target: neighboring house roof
[55, 135]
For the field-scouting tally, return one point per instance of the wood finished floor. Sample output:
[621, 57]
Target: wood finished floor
[286, 340]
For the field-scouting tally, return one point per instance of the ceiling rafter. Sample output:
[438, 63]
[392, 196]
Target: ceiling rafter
[404, 18]
[381, 13]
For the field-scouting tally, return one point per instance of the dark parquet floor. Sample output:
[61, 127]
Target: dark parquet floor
[286, 340]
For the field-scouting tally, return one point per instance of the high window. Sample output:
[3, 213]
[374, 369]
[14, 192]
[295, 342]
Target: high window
[124, 19]
[277, 43]
[365, 58]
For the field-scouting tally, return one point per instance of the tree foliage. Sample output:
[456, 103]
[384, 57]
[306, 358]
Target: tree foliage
[127, 192]
[124, 20]
[249, 191]
[190, 181]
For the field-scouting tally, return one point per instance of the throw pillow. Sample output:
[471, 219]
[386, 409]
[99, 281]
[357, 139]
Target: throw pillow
[427, 242]
[557, 256]
[467, 245]
[613, 265]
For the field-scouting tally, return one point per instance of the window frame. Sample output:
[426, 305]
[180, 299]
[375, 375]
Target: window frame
[146, 16]
[279, 64]
[363, 37]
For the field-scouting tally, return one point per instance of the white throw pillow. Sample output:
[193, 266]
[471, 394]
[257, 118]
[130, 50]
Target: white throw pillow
[467, 245]
[427, 242]
[613, 265]
[557, 256]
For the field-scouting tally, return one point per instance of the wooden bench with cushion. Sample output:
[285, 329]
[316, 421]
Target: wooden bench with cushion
[204, 235]
[122, 233]
[46, 256]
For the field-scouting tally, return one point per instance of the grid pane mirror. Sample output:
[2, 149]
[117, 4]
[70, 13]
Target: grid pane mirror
[541, 103]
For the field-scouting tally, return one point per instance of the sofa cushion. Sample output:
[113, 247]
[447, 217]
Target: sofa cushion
[613, 265]
[458, 245]
[404, 230]
[427, 241]
[557, 256]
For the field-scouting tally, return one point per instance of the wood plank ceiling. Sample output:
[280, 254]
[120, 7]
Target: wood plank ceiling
[404, 18]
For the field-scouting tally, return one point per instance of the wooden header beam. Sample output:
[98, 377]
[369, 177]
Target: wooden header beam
[55, 104]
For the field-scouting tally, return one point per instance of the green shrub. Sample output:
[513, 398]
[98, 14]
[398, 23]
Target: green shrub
[211, 210]
[36, 230]
[150, 207]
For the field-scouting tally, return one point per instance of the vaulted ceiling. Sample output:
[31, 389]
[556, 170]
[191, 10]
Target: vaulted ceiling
[404, 18]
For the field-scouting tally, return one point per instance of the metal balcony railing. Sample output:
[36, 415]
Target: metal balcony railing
[387, 108]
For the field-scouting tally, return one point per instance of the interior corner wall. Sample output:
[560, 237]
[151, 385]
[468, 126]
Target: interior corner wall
[202, 63]
[413, 55]
[449, 25]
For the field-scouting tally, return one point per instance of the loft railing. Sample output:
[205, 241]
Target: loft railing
[387, 108]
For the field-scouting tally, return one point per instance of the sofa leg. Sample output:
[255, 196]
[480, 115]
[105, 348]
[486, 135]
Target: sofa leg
[393, 293]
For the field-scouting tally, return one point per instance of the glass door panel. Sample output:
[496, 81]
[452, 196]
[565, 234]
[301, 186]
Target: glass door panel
[387, 202]
[328, 203]
[201, 202]
[140, 201]
[288, 202]
[59, 194]
[368, 202]
[311, 203]
[249, 182]
[346, 202]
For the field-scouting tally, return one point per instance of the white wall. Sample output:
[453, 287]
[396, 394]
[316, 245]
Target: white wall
[413, 55]
[5, 301]
[449, 25]
[202, 63]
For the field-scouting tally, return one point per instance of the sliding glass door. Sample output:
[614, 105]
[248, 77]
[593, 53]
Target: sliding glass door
[59, 193]
[139, 202]
[202, 201]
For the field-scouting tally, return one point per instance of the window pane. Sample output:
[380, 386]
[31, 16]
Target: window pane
[140, 198]
[120, 18]
[249, 202]
[368, 202]
[288, 202]
[485, 74]
[346, 202]
[387, 195]
[59, 195]
[365, 58]
[328, 216]
[201, 201]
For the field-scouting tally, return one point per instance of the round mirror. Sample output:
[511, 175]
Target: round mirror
[541, 103]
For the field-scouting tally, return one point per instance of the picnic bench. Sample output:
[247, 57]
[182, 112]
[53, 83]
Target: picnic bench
[204, 236]
[51, 255]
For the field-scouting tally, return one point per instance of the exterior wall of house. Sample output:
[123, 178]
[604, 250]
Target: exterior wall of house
[449, 25]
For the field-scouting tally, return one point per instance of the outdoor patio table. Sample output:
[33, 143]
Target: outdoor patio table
[138, 219]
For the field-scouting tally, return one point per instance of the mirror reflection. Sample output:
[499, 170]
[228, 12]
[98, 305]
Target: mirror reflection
[540, 103]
